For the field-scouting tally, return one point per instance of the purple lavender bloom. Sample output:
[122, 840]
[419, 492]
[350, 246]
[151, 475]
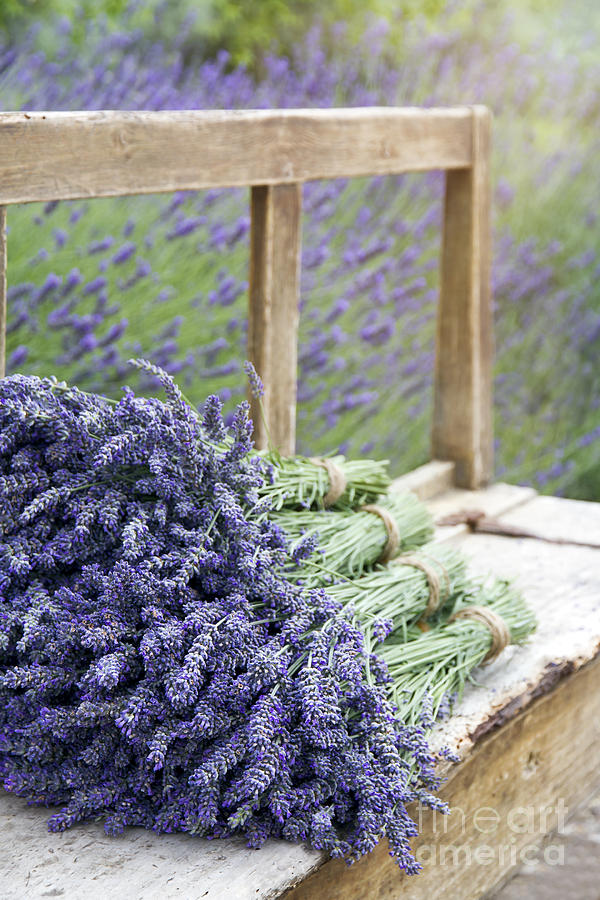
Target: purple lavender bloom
[76, 215]
[97, 284]
[51, 284]
[186, 226]
[256, 386]
[17, 358]
[148, 631]
[101, 245]
[124, 253]
[73, 279]
[61, 237]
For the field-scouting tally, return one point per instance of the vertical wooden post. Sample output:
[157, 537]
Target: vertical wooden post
[2, 291]
[273, 308]
[462, 425]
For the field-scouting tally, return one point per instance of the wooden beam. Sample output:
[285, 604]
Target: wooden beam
[273, 309]
[517, 785]
[62, 155]
[3, 309]
[462, 423]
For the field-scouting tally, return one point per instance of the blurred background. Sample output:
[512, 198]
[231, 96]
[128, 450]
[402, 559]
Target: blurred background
[93, 283]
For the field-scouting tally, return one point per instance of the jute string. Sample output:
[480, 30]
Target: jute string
[437, 579]
[477, 522]
[495, 624]
[391, 526]
[337, 479]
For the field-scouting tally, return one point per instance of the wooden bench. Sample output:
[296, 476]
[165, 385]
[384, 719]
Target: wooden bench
[528, 734]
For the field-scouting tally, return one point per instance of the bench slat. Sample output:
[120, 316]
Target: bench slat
[273, 312]
[2, 291]
[62, 155]
[462, 408]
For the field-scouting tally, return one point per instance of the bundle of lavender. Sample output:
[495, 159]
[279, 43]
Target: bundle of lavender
[418, 586]
[158, 668]
[432, 668]
[158, 664]
[353, 536]
[346, 543]
[299, 482]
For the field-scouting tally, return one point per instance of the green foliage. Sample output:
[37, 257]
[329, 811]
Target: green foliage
[17, 15]
[246, 30]
[12, 11]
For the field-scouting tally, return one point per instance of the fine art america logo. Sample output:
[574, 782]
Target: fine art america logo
[484, 837]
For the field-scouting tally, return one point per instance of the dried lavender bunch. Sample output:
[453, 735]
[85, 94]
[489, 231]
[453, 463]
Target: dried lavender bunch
[429, 669]
[347, 543]
[299, 483]
[392, 598]
[157, 666]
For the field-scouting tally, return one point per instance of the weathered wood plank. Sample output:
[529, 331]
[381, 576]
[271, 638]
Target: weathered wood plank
[3, 309]
[273, 309]
[568, 867]
[86, 863]
[62, 155]
[427, 481]
[563, 587]
[495, 500]
[462, 423]
[516, 786]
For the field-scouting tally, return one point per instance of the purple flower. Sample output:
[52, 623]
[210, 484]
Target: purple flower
[102, 245]
[95, 285]
[256, 386]
[17, 358]
[124, 253]
[148, 631]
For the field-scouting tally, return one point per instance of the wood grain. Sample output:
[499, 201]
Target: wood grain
[517, 785]
[62, 155]
[273, 309]
[462, 423]
[3, 309]
[426, 481]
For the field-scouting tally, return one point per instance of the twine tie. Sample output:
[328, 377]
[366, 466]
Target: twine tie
[494, 623]
[439, 587]
[391, 526]
[337, 479]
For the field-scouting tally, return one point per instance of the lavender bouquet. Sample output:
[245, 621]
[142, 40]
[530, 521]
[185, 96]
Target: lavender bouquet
[429, 668]
[349, 542]
[422, 585]
[326, 482]
[159, 666]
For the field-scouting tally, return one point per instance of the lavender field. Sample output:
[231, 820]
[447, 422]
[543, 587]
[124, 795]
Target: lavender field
[93, 283]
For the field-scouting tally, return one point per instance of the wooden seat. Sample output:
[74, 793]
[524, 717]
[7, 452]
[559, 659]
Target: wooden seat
[528, 732]
[528, 735]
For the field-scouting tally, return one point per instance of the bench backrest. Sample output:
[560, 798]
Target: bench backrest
[61, 156]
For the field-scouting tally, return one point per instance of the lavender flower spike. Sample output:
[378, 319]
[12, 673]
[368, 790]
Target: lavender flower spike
[257, 388]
